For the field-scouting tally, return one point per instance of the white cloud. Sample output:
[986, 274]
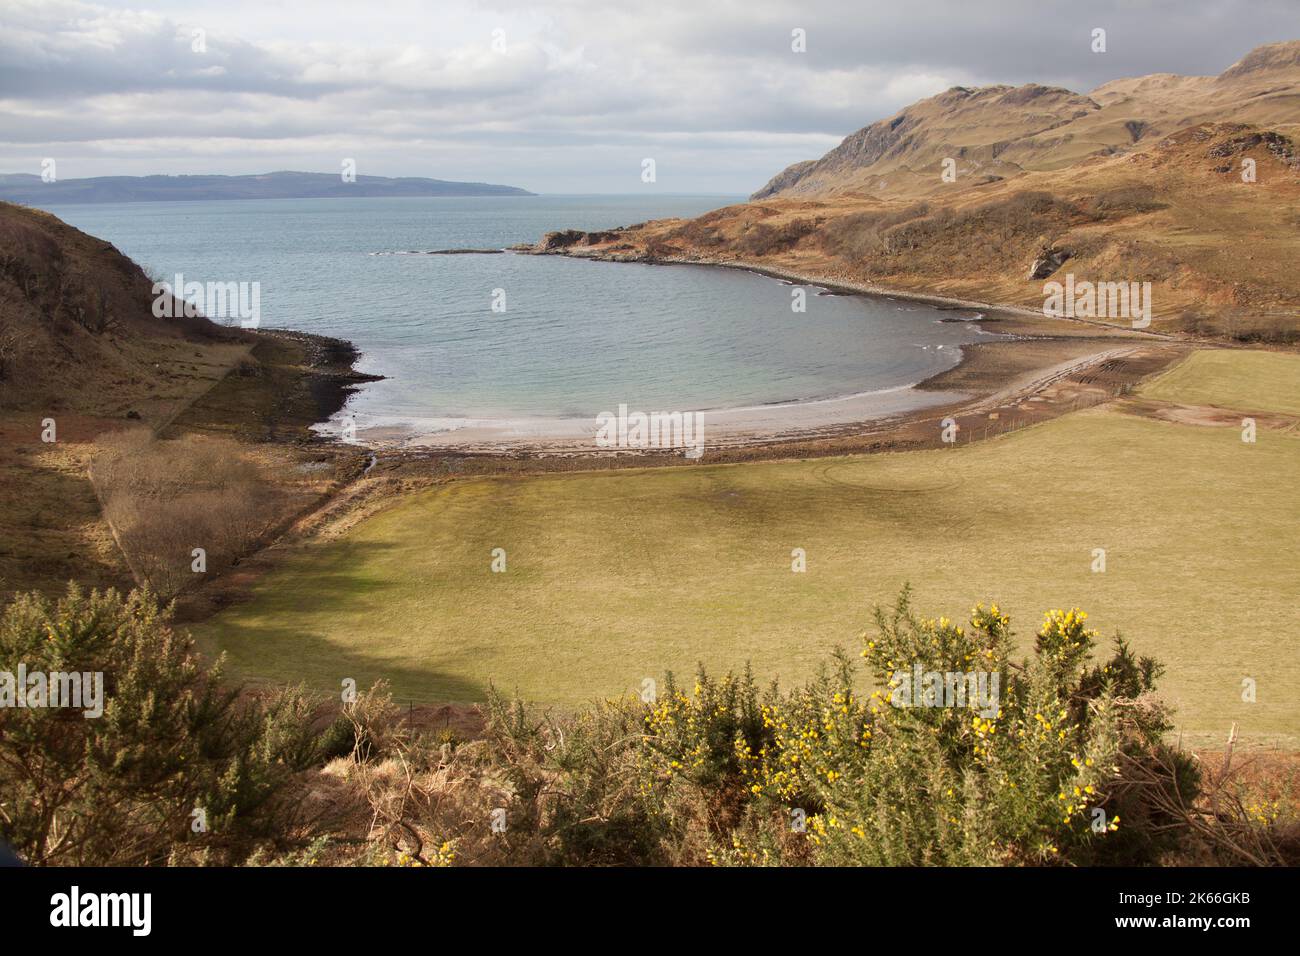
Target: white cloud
[582, 91]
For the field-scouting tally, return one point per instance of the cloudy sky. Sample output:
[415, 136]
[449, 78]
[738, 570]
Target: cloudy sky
[551, 95]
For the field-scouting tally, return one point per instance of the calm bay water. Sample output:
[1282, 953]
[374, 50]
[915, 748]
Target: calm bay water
[577, 337]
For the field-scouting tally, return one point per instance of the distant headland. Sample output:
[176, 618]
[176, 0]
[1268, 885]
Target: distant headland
[34, 190]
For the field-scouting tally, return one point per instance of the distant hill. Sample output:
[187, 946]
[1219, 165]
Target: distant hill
[30, 190]
[1001, 132]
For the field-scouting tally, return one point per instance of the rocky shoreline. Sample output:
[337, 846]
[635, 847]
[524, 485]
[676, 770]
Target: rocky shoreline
[289, 382]
[331, 378]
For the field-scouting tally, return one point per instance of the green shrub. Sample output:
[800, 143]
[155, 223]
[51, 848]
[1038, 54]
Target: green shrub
[870, 781]
[175, 761]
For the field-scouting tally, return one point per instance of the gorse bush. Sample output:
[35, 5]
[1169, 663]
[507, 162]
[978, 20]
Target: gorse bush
[174, 764]
[934, 746]
[888, 778]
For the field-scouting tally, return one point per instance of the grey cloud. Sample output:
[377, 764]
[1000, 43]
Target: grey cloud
[716, 84]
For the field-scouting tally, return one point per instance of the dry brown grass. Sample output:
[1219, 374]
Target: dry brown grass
[166, 498]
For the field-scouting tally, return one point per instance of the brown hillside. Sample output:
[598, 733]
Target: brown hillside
[79, 332]
[1219, 252]
[1004, 132]
[1142, 180]
[80, 346]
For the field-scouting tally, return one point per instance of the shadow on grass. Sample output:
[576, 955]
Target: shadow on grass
[282, 649]
[324, 665]
[48, 517]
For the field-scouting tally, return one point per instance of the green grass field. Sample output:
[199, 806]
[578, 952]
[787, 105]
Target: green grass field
[613, 577]
[1233, 379]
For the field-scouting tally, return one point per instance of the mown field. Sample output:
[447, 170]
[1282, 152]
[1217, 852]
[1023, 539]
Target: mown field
[1228, 378]
[614, 577]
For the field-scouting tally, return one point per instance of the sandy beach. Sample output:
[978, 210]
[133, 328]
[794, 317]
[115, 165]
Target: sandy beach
[1025, 350]
[721, 427]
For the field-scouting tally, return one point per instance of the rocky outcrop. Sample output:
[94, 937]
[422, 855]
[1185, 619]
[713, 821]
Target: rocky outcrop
[1047, 262]
[569, 238]
[1281, 147]
[785, 179]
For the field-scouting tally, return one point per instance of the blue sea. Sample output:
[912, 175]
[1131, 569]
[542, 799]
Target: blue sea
[574, 338]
